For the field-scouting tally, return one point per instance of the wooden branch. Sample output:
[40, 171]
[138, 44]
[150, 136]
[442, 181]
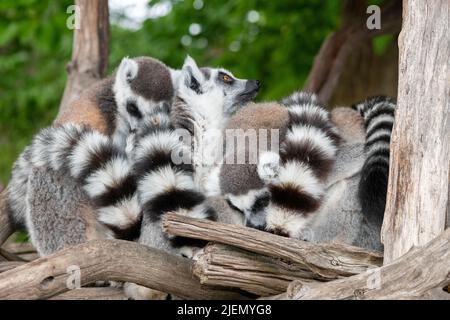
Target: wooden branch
[327, 261]
[8, 265]
[6, 226]
[113, 260]
[226, 266]
[419, 274]
[92, 294]
[332, 57]
[8, 256]
[418, 189]
[90, 50]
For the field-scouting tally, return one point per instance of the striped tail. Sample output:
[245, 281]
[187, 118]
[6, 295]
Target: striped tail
[165, 178]
[102, 168]
[378, 113]
[307, 156]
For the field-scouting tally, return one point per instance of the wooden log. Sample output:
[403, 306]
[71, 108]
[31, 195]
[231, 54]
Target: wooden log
[90, 50]
[418, 189]
[8, 265]
[92, 294]
[102, 260]
[422, 273]
[328, 261]
[221, 265]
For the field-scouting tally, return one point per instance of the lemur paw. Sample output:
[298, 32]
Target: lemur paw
[269, 166]
[137, 292]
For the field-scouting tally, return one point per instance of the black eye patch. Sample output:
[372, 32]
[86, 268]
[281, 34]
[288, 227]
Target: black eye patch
[133, 110]
[261, 202]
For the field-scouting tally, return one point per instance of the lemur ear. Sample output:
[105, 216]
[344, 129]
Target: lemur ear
[192, 76]
[128, 70]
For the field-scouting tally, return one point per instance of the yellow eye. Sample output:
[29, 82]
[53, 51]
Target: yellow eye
[226, 78]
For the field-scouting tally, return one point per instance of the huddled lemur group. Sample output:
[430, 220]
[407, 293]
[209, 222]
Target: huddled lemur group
[326, 182]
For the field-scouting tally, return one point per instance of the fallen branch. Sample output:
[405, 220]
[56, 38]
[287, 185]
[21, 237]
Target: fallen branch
[422, 273]
[221, 265]
[327, 261]
[8, 265]
[113, 260]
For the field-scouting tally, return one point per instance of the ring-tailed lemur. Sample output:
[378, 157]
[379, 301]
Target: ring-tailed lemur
[122, 102]
[339, 218]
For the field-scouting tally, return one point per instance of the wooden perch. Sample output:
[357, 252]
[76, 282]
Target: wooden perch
[419, 274]
[332, 57]
[221, 265]
[113, 260]
[418, 190]
[327, 261]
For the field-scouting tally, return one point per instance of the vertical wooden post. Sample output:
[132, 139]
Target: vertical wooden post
[418, 192]
[90, 49]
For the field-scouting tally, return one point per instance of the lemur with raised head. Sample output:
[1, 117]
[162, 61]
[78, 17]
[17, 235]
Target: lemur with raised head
[110, 110]
[338, 216]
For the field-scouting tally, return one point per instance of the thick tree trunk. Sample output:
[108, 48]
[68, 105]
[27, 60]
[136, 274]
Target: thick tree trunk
[90, 50]
[418, 191]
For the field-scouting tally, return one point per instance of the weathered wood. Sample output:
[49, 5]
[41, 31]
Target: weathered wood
[418, 190]
[92, 294]
[419, 274]
[328, 261]
[8, 265]
[6, 226]
[90, 50]
[221, 265]
[331, 59]
[102, 260]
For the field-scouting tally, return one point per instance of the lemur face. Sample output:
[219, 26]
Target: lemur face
[216, 89]
[141, 86]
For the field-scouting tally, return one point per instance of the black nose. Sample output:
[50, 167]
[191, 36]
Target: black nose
[258, 83]
[252, 86]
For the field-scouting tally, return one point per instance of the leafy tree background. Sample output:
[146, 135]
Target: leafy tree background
[274, 41]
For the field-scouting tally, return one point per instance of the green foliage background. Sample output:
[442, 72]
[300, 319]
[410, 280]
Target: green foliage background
[35, 45]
